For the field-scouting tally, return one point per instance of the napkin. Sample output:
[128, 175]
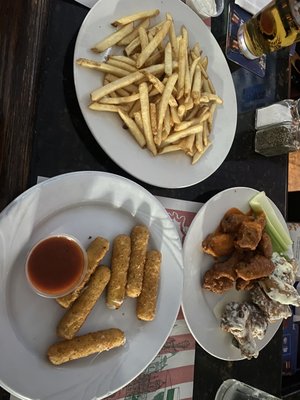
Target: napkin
[252, 6]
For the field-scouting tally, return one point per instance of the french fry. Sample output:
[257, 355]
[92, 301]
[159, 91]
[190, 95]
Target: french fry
[121, 64]
[143, 89]
[199, 141]
[170, 148]
[133, 46]
[213, 97]
[172, 35]
[113, 39]
[156, 57]
[158, 38]
[133, 128]
[204, 62]
[168, 59]
[160, 87]
[181, 111]
[187, 79]
[173, 137]
[174, 115]
[153, 118]
[134, 17]
[193, 67]
[198, 154]
[167, 122]
[135, 33]
[181, 67]
[138, 120]
[163, 105]
[211, 86]
[196, 87]
[124, 59]
[124, 81]
[104, 107]
[120, 100]
[143, 37]
[188, 144]
[211, 116]
[205, 134]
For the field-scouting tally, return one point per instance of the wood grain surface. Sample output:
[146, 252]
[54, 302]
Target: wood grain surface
[294, 172]
[22, 31]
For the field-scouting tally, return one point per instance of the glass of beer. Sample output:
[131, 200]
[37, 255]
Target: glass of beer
[274, 27]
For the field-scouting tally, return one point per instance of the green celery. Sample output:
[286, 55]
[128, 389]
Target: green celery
[279, 236]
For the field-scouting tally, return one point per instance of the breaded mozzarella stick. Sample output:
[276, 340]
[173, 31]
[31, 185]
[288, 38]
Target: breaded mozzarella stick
[139, 242]
[85, 345]
[75, 316]
[95, 253]
[146, 302]
[119, 267]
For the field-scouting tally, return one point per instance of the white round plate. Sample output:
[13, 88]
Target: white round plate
[85, 205]
[169, 170]
[201, 306]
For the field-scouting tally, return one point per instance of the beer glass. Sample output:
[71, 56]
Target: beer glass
[276, 26]
[231, 389]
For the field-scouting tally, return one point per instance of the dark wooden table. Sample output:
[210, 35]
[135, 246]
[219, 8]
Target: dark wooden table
[42, 133]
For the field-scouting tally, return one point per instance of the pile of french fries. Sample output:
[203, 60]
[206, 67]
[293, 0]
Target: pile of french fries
[160, 86]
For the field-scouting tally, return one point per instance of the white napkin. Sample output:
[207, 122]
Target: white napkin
[252, 6]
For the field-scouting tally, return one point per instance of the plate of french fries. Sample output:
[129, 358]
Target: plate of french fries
[155, 90]
[93, 341]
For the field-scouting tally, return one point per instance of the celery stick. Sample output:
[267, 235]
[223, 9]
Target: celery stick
[279, 236]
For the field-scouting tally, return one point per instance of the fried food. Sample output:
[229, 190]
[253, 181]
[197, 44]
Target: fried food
[83, 346]
[241, 284]
[279, 285]
[119, 267]
[273, 310]
[245, 322]
[265, 245]
[218, 244]
[76, 315]
[222, 276]
[250, 233]
[258, 267]
[233, 219]
[146, 302]
[95, 253]
[139, 243]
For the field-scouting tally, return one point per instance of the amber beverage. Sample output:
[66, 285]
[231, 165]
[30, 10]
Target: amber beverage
[274, 27]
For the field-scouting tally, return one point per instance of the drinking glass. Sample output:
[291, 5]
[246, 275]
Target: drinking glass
[274, 27]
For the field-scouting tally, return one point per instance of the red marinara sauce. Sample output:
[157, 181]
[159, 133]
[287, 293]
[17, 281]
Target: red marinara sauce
[56, 265]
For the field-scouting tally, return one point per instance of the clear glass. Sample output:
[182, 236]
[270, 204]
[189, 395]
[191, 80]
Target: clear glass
[232, 389]
[274, 27]
[278, 128]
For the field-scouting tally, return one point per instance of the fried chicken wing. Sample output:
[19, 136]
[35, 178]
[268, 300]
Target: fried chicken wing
[233, 219]
[250, 233]
[258, 267]
[218, 244]
[265, 245]
[222, 275]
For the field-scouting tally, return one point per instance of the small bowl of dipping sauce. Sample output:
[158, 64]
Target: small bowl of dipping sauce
[56, 265]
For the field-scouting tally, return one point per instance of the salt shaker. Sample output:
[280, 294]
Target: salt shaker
[278, 128]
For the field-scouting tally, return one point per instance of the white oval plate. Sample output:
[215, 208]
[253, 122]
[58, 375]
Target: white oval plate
[170, 170]
[83, 204]
[200, 305]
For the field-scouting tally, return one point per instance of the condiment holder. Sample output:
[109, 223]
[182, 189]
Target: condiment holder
[277, 128]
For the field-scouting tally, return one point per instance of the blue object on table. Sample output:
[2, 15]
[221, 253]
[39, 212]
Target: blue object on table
[236, 17]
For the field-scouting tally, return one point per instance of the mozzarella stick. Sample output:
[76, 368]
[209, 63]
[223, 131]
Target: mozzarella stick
[146, 302]
[85, 345]
[95, 253]
[119, 268]
[139, 242]
[75, 316]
